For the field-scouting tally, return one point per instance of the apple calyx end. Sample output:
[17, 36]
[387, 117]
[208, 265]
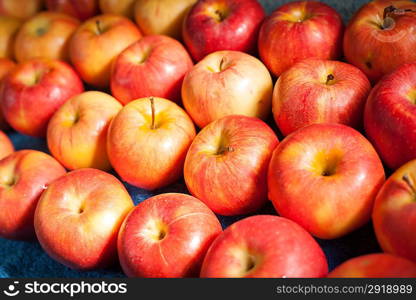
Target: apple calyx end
[329, 79]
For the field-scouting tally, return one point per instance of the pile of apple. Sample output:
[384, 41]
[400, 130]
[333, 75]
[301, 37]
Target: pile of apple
[121, 85]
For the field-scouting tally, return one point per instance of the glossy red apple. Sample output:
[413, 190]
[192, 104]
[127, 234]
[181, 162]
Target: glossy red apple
[80, 9]
[6, 65]
[6, 146]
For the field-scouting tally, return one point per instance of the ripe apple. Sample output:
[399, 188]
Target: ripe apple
[300, 30]
[148, 140]
[154, 66]
[319, 91]
[97, 42]
[22, 9]
[226, 165]
[394, 213]
[6, 146]
[214, 25]
[118, 7]
[80, 9]
[378, 265]
[78, 218]
[264, 246]
[380, 37]
[167, 235]
[227, 83]
[162, 16]
[34, 90]
[24, 175]
[6, 65]
[325, 177]
[389, 116]
[8, 30]
[46, 35]
[77, 132]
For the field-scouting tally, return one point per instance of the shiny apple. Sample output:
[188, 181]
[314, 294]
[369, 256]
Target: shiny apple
[6, 146]
[118, 7]
[22, 9]
[80, 9]
[9, 27]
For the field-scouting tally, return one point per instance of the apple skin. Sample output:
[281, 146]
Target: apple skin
[226, 165]
[377, 265]
[21, 9]
[9, 27]
[46, 35]
[394, 213]
[167, 235]
[118, 7]
[377, 51]
[81, 213]
[116, 33]
[6, 146]
[24, 175]
[325, 177]
[227, 83]
[319, 91]
[214, 25]
[264, 247]
[147, 157]
[35, 84]
[154, 66]
[77, 132]
[6, 65]
[80, 9]
[300, 30]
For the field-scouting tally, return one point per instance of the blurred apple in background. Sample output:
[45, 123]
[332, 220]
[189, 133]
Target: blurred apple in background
[119, 7]
[96, 44]
[24, 175]
[80, 9]
[6, 146]
[381, 37]
[6, 65]
[167, 235]
[264, 246]
[78, 218]
[77, 132]
[154, 66]
[214, 25]
[162, 16]
[325, 177]
[226, 165]
[22, 9]
[34, 90]
[46, 35]
[227, 83]
[148, 141]
[9, 27]
[320, 91]
[300, 30]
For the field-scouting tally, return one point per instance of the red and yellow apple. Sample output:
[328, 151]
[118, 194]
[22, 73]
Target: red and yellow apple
[78, 218]
[6, 65]
[6, 146]
[119, 7]
[9, 27]
[80, 9]
[22, 9]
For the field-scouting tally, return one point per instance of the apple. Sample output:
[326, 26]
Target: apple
[264, 246]
[8, 30]
[78, 218]
[394, 213]
[96, 44]
[380, 37]
[154, 66]
[389, 116]
[214, 25]
[325, 177]
[162, 16]
[300, 30]
[6, 146]
[227, 83]
[147, 142]
[320, 91]
[6, 65]
[46, 35]
[80, 9]
[377, 265]
[118, 7]
[167, 235]
[24, 175]
[34, 90]
[77, 132]
[22, 9]
[226, 165]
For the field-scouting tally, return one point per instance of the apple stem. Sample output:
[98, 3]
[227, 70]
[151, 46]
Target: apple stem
[409, 182]
[388, 22]
[221, 64]
[99, 29]
[329, 78]
[152, 105]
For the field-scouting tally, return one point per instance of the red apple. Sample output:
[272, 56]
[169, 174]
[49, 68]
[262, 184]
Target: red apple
[6, 65]
[167, 235]
[214, 25]
[77, 132]
[300, 30]
[226, 165]
[97, 43]
[9, 27]
[154, 66]
[380, 37]
[394, 213]
[24, 175]
[6, 146]
[264, 246]
[22, 9]
[320, 91]
[227, 83]
[80, 9]
[78, 218]
[119, 7]
[34, 90]
[378, 265]
[325, 177]
[389, 116]
[147, 142]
